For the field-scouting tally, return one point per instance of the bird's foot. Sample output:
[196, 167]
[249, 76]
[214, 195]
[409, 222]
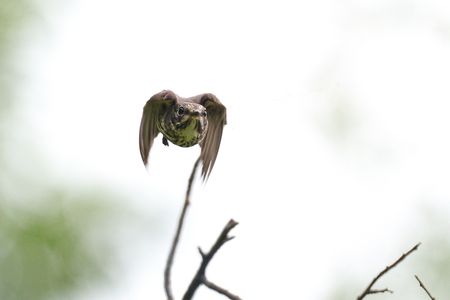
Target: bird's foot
[164, 141]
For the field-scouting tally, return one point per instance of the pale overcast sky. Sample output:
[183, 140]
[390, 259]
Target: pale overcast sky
[337, 135]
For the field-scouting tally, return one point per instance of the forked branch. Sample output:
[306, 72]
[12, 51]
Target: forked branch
[173, 248]
[200, 277]
[369, 289]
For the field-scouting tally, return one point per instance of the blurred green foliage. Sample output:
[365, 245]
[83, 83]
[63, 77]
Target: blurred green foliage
[14, 16]
[48, 251]
[51, 237]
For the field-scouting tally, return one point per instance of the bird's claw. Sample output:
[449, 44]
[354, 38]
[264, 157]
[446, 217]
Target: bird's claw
[164, 141]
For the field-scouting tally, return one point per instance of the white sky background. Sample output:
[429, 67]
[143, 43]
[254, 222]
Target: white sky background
[338, 131]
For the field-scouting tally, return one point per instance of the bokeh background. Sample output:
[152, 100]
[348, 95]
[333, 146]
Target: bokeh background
[335, 159]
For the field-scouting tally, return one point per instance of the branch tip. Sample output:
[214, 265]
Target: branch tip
[231, 224]
[385, 290]
[424, 288]
[202, 254]
[369, 289]
[229, 238]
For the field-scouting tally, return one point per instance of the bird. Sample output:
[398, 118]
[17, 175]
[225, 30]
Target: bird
[184, 122]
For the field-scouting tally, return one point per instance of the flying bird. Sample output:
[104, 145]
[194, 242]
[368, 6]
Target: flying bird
[184, 122]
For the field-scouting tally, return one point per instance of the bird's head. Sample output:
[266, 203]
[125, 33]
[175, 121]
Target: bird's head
[190, 115]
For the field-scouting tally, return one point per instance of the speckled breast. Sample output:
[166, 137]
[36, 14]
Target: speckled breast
[186, 134]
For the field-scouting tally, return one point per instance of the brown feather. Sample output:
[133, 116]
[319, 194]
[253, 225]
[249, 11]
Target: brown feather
[217, 118]
[153, 110]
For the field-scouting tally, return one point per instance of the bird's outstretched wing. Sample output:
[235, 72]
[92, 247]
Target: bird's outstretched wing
[217, 118]
[153, 110]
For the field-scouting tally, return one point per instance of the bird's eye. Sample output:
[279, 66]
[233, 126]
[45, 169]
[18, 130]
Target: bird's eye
[180, 110]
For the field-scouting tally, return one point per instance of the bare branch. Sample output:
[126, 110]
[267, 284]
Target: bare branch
[202, 254]
[369, 289]
[424, 288]
[220, 290]
[200, 277]
[169, 263]
[385, 290]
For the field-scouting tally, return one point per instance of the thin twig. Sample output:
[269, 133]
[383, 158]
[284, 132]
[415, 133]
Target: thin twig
[424, 288]
[200, 277]
[385, 290]
[169, 263]
[220, 290]
[369, 289]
